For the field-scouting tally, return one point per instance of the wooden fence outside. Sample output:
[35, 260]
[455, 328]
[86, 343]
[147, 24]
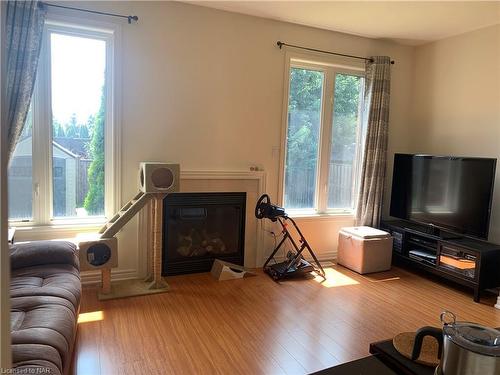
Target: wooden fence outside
[82, 182]
[300, 186]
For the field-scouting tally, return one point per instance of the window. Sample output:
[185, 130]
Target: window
[323, 137]
[62, 167]
[20, 175]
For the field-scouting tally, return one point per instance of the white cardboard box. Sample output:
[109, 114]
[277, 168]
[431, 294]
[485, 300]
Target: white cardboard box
[228, 271]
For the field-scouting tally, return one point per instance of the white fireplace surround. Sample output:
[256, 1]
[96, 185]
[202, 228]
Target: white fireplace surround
[251, 182]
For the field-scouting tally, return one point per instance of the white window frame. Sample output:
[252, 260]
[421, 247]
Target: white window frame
[43, 224]
[330, 66]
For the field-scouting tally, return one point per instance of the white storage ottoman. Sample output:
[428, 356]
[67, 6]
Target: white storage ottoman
[365, 249]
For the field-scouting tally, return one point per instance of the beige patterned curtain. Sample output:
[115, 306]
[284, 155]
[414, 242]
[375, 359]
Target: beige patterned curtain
[376, 114]
[24, 26]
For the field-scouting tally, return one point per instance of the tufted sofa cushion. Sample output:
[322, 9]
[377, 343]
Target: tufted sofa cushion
[44, 253]
[45, 299]
[60, 280]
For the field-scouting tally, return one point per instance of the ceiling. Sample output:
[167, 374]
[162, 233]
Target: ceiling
[406, 22]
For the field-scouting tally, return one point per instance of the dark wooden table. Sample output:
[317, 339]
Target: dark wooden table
[385, 360]
[370, 365]
[385, 352]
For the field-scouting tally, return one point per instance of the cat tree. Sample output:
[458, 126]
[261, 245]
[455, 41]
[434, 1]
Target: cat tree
[156, 180]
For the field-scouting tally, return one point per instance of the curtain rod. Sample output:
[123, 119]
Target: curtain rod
[129, 18]
[280, 44]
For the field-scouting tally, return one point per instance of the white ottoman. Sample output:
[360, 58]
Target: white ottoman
[364, 249]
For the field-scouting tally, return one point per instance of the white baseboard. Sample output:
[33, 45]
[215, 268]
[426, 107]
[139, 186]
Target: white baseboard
[94, 277]
[327, 256]
[323, 257]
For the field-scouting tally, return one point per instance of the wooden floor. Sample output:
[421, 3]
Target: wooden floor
[256, 326]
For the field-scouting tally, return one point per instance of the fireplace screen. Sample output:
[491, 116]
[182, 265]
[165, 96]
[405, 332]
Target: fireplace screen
[201, 227]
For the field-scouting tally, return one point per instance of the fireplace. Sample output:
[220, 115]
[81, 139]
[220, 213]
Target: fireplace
[201, 227]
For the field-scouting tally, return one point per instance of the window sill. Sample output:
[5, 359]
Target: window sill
[310, 216]
[56, 231]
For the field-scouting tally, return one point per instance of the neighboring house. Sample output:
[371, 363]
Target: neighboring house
[69, 173]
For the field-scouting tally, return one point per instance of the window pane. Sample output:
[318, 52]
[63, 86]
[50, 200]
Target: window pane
[78, 110]
[20, 175]
[345, 139]
[304, 122]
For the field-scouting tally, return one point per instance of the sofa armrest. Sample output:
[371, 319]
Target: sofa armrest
[37, 253]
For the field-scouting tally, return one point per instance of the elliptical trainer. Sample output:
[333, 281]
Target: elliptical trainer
[295, 265]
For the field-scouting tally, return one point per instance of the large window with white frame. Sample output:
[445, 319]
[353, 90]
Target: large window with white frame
[61, 169]
[322, 151]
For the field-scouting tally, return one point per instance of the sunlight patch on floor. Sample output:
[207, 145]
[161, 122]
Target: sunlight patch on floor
[93, 316]
[334, 278]
[381, 280]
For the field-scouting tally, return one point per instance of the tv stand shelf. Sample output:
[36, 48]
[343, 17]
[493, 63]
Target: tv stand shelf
[469, 262]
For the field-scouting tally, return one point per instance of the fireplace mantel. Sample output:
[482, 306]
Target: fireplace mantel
[252, 182]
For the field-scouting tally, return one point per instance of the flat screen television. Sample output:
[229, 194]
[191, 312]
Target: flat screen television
[448, 192]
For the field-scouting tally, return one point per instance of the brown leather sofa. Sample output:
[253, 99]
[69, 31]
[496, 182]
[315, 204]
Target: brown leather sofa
[45, 300]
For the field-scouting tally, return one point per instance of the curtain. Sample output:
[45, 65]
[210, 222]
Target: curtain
[376, 117]
[24, 27]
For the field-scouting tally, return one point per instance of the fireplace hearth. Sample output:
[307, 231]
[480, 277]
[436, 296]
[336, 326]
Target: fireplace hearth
[201, 227]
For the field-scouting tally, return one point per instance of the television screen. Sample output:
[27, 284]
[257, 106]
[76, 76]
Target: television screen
[453, 193]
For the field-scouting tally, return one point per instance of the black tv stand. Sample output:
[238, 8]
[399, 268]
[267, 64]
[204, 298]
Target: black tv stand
[469, 262]
[429, 229]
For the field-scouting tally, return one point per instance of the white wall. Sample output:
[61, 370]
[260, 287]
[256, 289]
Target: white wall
[457, 101]
[204, 88]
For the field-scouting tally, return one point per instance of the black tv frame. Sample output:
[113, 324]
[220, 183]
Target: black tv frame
[437, 229]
